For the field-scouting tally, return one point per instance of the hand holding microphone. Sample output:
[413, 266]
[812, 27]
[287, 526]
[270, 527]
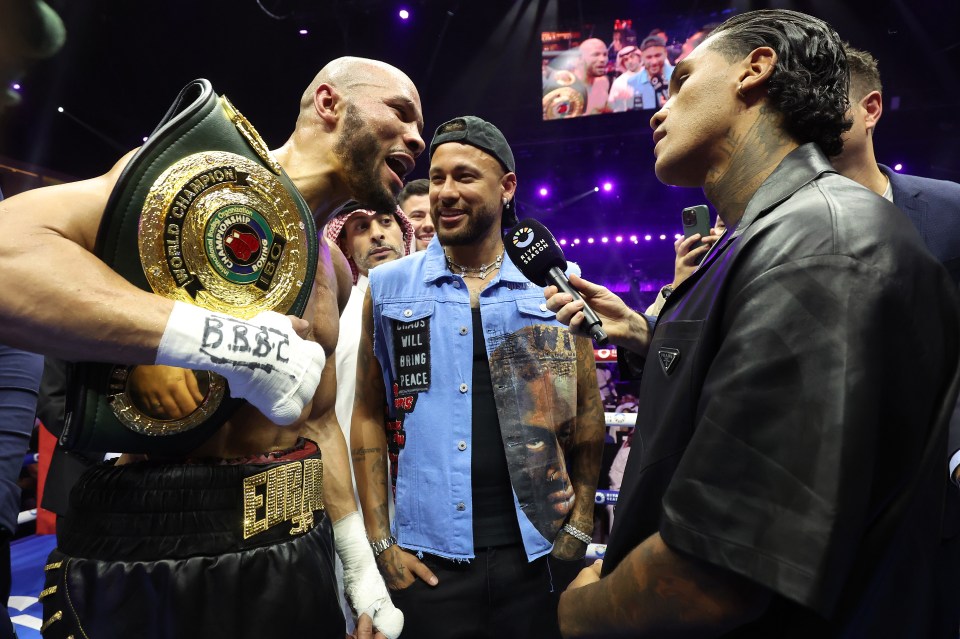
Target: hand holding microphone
[534, 250]
[594, 309]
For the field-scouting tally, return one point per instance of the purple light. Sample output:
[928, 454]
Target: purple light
[576, 240]
[633, 238]
[663, 237]
[897, 166]
[544, 192]
[604, 239]
[596, 189]
[404, 14]
[677, 236]
[563, 242]
[646, 237]
[607, 186]
[16, 86]
[619, 238]
[589, 240]
[304, 32]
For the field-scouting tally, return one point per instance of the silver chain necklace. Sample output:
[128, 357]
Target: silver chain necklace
[480, 272]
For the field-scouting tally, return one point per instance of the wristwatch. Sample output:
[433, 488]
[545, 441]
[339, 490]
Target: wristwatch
[382, 544]
[666, 290]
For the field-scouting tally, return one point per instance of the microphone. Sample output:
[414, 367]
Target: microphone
[539, 257]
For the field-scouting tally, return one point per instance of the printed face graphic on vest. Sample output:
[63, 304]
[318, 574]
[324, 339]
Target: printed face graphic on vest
[535, 372]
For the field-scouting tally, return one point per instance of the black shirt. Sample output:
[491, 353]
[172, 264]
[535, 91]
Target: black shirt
[494, 515]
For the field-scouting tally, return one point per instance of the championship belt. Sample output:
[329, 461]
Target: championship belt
[202, 214]
[564, 96]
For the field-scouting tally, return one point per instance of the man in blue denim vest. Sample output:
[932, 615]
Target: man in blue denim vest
[493, 419]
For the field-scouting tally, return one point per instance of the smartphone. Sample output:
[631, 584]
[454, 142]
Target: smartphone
[696, 219]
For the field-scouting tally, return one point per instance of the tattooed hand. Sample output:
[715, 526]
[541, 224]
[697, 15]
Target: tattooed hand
[400, 568]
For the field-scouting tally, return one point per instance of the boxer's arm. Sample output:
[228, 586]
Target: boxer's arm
[59, 298]
[324, 429]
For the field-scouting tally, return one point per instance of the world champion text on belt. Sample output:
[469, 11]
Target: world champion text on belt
[221, 231]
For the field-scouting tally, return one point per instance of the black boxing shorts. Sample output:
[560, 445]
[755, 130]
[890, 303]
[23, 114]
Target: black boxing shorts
[196, 550]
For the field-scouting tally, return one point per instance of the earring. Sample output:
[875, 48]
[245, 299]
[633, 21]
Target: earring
[505, 200]
[740, 91]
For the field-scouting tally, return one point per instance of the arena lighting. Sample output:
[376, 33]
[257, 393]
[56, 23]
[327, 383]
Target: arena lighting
[404, 14]
[897, 166]
[544, 192]
[563, 242]
[608, 186]
[59, 109]
[589, 240]
[596, 189]
[604, 239]
[633, 238]
[16, 86]
[646, 237]
[677, 236]
[576, 240]
[619, 238]
[144, 138]
[304, 32]
[663, 237]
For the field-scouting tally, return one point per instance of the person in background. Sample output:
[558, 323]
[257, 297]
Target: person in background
[415, 201]
[593, 58]
[651, 85]
[621, 93]
[933, 207]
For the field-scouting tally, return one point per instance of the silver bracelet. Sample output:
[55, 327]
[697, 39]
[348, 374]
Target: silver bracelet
[382, 544]
[579, 534]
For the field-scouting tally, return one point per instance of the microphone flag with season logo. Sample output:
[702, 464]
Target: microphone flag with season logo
[534, 250]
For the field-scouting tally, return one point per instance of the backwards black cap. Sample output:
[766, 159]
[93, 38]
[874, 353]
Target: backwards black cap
[469, 129]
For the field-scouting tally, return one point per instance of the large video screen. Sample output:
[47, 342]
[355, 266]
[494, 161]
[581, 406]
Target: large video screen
[617, 64]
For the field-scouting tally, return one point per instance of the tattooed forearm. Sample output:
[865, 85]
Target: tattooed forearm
[657, 592]
[360, 453]
[587, 449]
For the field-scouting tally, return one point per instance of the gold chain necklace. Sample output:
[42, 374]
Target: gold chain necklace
[480, 272]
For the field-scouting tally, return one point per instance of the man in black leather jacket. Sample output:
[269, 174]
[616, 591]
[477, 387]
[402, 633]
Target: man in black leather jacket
[787, 474]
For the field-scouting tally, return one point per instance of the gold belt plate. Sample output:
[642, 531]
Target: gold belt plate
[220, 231]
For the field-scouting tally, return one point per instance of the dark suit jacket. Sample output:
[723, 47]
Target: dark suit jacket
[934, 208]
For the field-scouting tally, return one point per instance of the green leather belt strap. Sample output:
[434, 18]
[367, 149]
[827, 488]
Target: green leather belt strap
[198, 122]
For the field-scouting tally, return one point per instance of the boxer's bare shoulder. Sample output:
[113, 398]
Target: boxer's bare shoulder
[72, 211]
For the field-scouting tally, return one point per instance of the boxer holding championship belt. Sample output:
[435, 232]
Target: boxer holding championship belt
[203, 214]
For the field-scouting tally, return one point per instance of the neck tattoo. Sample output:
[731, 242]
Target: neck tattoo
[479, 272]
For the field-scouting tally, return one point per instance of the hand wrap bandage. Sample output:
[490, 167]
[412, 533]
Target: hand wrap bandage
[263, 359]
[361, 579]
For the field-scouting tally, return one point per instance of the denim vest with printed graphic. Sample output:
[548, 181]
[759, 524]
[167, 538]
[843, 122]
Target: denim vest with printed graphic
[422, 325]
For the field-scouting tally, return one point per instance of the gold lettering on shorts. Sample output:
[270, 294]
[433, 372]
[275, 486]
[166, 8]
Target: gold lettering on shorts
[291, 492]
